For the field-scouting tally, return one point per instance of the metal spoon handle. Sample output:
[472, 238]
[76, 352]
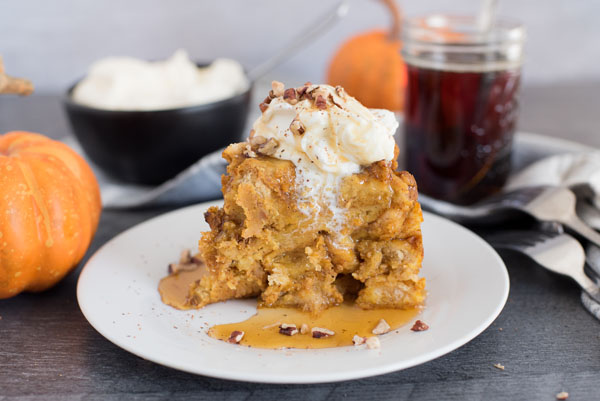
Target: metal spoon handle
[323, 23]
[592, 306]
[588, 285]
[581, 228]
[590, 214]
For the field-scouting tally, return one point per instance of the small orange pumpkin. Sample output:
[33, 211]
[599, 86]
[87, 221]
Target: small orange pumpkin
[49, 211]
[370, 68]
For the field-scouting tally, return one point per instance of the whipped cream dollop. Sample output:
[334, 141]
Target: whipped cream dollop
[338, 137]
[126, 83]
[327, 134]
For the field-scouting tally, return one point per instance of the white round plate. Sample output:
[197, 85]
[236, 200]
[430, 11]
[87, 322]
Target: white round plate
[467, 287]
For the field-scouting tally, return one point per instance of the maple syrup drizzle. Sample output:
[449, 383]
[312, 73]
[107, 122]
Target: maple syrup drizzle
[174, 288]
[346, 320]
[262, 329]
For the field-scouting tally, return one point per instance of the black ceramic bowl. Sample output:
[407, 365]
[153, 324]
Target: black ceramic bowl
[150, 147]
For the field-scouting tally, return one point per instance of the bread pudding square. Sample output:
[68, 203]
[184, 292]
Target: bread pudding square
[311, 240]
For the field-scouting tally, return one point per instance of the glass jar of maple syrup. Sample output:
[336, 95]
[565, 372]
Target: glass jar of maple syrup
[461, 104]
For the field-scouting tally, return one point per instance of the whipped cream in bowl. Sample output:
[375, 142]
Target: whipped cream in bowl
[130, 84]
[328, 135]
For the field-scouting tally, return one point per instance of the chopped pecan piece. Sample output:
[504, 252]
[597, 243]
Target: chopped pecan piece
[381, 328]
[257, 140]
[304, 328]
[373, 343]
[263, 106]
[291, 96]
[235, 337]
[248, 152]
[288, 329]
[185, 256]
[321, 103]
[319, 332]
[319, 91]
[297, 127]
[334, 102]
[563, 395]
[302, 92]
[268, 148]
[358, 340]
[499, 366]
[175, 268]
[277, 88]
[419, 326]
[187, 262]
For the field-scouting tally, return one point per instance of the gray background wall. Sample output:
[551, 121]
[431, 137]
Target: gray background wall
[53, 42]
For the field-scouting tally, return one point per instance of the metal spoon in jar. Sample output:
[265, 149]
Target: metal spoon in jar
[322, 24]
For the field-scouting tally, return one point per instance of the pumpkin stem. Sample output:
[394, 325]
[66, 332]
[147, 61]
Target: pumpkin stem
[396, 18]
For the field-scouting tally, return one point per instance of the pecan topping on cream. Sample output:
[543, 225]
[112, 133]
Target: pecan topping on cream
[301, 92]
[296, 127]
[268, 148]
[257, 140]
[277, 88]
[263, 106]
[291, 96]
[321, 103]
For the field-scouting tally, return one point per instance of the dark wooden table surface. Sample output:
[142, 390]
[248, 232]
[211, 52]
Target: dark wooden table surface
[545, 339]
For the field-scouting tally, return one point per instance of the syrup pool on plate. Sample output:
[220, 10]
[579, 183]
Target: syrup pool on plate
[262, 329]
[345, 320]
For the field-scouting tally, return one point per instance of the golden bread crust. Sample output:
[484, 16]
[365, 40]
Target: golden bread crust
[262, 244]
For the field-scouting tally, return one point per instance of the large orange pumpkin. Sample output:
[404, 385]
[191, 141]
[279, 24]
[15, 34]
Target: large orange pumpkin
[369, 66]
[49, 211]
